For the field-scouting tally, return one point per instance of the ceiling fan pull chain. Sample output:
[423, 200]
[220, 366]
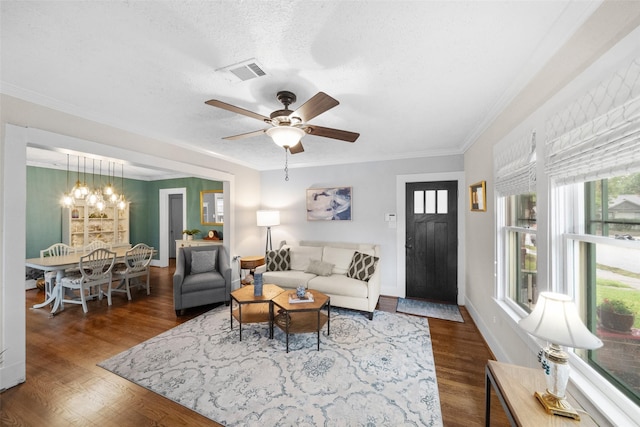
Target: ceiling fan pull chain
[286, 165]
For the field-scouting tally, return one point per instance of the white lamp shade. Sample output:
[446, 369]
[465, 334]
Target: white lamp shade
[268, 218]
[285, 136]
[556, 320]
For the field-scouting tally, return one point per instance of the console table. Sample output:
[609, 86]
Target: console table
[514, 386]
[195, 242]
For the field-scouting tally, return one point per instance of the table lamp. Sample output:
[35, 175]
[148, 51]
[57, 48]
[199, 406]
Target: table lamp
[555, 319]
[268, 219]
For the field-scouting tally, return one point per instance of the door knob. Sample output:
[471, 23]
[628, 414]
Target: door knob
[408, 246]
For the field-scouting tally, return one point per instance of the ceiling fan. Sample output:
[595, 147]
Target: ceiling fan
[288, 126]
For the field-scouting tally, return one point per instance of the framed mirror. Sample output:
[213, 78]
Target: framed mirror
[212, 207]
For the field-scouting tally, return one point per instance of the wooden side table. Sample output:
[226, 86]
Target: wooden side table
[302, 317]
[247, 308]
[251, 263]
[514, 386]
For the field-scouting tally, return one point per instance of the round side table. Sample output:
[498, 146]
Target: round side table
[251, 263]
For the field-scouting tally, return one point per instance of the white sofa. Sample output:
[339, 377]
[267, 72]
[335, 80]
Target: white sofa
[335, 259]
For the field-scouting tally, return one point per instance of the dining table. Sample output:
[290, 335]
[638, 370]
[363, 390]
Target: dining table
[59, 264]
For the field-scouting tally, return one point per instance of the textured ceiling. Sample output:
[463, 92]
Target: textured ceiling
[414, 78]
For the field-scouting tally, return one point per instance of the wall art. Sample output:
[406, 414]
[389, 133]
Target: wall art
[329, 204]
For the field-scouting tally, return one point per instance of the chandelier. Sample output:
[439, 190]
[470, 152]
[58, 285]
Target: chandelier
[98, 196]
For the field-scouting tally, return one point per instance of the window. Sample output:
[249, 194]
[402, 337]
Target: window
[592, 163]
[430, 202]
[607, 255]
[515, 178]
[520, 249]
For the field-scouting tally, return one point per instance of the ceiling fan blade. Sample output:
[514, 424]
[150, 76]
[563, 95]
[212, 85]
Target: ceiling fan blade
[296, 148]
[342, 135]
[315, 106]
[246, 135]
[237, 110]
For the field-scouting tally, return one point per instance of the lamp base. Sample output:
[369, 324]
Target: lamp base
[555, 406]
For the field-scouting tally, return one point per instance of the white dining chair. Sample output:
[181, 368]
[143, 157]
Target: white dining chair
[96, 271]
[96, 244]
[136, 263]
[57, 249]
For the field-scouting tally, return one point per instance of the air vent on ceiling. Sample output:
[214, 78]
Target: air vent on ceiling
[245, 70]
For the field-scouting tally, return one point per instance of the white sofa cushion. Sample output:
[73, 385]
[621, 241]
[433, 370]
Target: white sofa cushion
[287, 279]
[339, 257]
[300, 256]
[339, 284]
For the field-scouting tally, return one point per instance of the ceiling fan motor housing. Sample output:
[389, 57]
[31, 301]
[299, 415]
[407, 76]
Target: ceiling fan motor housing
[282, 117]
[286, 98]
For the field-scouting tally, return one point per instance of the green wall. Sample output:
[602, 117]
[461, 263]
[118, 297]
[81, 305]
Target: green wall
[44, 211]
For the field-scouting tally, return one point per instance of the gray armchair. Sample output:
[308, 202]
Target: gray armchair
[197, 281]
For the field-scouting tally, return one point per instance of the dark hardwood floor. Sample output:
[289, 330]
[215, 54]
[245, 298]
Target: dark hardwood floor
[65, 387]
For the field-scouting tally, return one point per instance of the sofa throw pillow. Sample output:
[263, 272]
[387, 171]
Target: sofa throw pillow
[319, 268]
[362, 266]
[203, 261]
[278, 260]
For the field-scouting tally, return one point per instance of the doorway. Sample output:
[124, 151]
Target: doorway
[431, 241]
[176, 221]
[167, 245]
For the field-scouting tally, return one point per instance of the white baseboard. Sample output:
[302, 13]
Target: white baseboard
[12, 375]
[490, 339]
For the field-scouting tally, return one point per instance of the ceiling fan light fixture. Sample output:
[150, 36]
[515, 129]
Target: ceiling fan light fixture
[285, 136]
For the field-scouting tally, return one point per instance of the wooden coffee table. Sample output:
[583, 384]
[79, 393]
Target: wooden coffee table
[252, 309]
[302, 317]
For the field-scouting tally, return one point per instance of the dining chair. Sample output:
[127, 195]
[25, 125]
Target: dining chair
[96, 244]
[136, 263]
[57, 249]
[96, 271]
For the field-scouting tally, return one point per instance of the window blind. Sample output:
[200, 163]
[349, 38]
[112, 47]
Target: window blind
[515, 165]
[603, 146]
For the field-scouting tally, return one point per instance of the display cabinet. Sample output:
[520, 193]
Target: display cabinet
[82, 225]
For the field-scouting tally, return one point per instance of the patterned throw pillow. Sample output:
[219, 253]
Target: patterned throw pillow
[362, 266]
[319, 268]
[203, 261]
[278, 260]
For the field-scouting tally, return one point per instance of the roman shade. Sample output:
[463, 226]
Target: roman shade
[515, 165]
[595, 144]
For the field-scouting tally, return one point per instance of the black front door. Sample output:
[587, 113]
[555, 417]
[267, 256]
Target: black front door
[432, 241]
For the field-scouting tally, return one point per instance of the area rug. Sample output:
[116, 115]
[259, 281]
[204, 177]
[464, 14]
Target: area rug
[429, 309]
[376, 372]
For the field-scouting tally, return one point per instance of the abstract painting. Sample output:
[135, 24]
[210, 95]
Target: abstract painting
[329, 204]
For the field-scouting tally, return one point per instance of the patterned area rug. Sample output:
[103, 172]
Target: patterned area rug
[379, 372]
[429, 309]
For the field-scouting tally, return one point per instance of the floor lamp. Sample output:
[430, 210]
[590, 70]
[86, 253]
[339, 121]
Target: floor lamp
[268, 219]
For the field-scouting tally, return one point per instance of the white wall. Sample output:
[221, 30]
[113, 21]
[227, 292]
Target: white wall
[34, 124]
[374, 194]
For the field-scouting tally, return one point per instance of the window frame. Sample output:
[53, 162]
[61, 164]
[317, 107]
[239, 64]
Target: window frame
[503, 245]
[511, 239]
